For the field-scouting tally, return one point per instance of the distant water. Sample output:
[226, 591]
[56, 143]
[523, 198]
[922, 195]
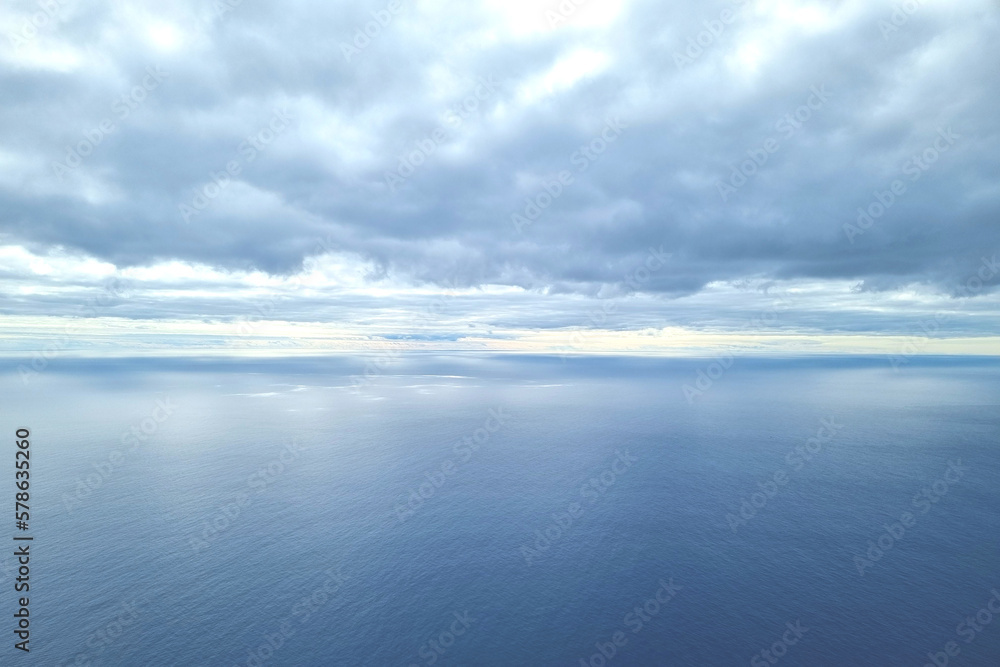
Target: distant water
[213, 533]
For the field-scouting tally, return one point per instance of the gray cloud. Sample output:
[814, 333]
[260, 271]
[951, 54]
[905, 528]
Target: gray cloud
[885, 99]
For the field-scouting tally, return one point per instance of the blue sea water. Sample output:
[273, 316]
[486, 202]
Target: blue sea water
[510, 510]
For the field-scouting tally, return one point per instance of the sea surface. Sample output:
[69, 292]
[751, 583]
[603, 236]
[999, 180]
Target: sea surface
[508, 510]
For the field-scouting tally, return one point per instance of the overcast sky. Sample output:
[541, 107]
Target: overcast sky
[784, 176]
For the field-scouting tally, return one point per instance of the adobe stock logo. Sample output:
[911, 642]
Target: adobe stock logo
[122, 107]
[453, 119]
[594, 489]
[582, 158]
[779, 649]
[363, 35]
[796, 459]
[901, 14]
[759, 155]
[30, 27]
[635, 620]
[248, 150]
[464, 450]
[567, 11]
[714, 29]
[915, 168]
[894, 532]
[968, 630]
[434, 648]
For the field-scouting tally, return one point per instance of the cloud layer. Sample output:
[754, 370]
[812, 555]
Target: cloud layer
[531, 154]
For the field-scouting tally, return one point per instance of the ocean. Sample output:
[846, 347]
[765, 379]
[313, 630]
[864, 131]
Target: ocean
[436, 509]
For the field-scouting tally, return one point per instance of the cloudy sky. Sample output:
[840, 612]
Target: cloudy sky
[623, 175]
